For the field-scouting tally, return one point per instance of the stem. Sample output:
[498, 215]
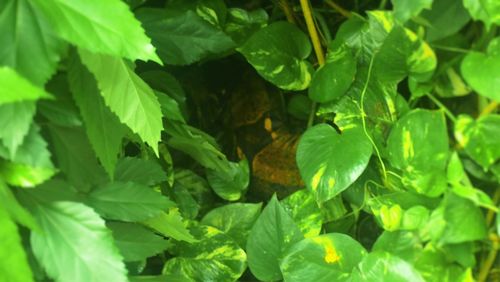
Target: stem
[447, 112]
[451, 49]
[313, 34]
[338, 8]
[287, 10]
[491, 213]
[489, 108]
[490, 259]
[382, 5]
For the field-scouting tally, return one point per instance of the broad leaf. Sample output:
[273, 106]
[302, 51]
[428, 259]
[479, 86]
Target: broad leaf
[16, 88]
[102, 27]
[445, 18]
[74, 244]
[232, 184]
[329, 161]
[215, 257]
[241, 24]
[329, 257]
[13, 260]
[404, 244]
[488, 11]
[479, 70]
[278, 52]
[128, 201]
[405, 10]
[272, 234]
[379, 266]
[141, 171]
[235, 220]
[104, 130]
[183, 38]
[22, 25]
[304, 210]
[15, 121]
[170, 225]
[135, 242]
[127, 95]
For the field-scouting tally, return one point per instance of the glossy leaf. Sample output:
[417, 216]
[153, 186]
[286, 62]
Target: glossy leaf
[127, 95]
[328, 257]
[272, 234]
[183, 38]
[74, 244]
[104, 130]
[22, 25]
[230, 185]
[134, 242]
[215, 257]
[101, 27]
[16, 88]
[15, 121]
[328, 162]
[170, 225]
[146, 172]
[235, 220]
[278, 52]
[380, 266]
[304, 210]
[127, 201]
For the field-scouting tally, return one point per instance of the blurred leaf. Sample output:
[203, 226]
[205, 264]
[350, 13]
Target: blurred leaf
[379, 266]
[16, 88]
[445, 18]
[141, 171]
[304, 210]
[241, 24]
[170, 225]
[232, 184]
[404, 244]
[405, 9]
[15, 122]
[299, 106]
[488, 11]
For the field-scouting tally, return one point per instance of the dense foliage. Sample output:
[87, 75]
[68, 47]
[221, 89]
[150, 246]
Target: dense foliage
[212, 140]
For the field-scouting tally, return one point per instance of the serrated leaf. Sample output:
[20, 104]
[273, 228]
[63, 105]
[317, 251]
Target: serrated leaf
[127, 95]
[74, 244]
[214, 257]
[102, 27]
[141, 171]
[22, 25]
[104, 130]
[488, 11]
[329, 162]
[15, 121]
[127, 201]
[380, 266]
[232, 184]
[183, 38]
[170, 225]
[328, 257]
[235, 220]
[15, 88]
[272, 234]
[278, 52]
[135, 242]
[304, 210]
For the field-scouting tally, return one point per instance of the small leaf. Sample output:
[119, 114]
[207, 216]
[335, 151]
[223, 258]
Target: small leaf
[170, 225]
[304, 210]
[16, 88]
[328, 257]
[235, 220]
[230, 185]
[128, 201]
[278, 52]
[329, 162]
[272, 234]
[74, 244]
[127, 95]
[101, 27]
[141, 171]
[15, 121]
[135, 242]
[379, 266]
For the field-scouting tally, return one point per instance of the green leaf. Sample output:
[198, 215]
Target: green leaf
[135, 242]
[16, 211]
[379, 266]
[13, 260]
[328, 257]
[235, 220]
[445, 18]
[31, 165]
[214, 257]
[241, 24]
[128, 201]
[232, 184]
[488, 11]
[409, 150]
[15, 121]
[141, 171]
[475, 136]
[22, 25]
[405, 10]
[170, 225]
[104, 130]
[299, 106]
[272, 234]
[404, 244]
[278, 52]
[15, 88]
[183, 38]
[329, 162]
[74, 244]
[304, 210]
[101, 27]
[127, 95]
[479, 70]
[335, 77]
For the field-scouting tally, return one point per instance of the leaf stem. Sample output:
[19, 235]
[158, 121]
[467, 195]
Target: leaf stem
[490, 259]
[446, 111]
[338, 8]
[382, 5]
[489, 108]
[451, 49]
[287, 10]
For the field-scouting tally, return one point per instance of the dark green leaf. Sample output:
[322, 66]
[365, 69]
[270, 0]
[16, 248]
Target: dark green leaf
[141, 171]
[170, 225]
[232, 184]
[445, 18]
[405, 10]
